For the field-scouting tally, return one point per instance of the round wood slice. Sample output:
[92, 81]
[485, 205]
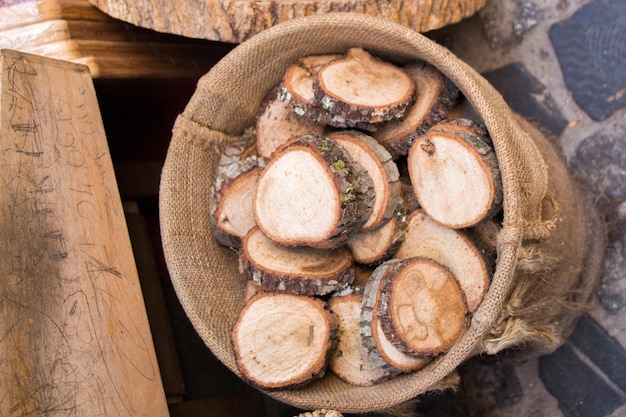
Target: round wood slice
[363, 88]
[378, 163]
[436, 95]
[373, 247]
[451, 248]
[296, 89]
[455, 177]
[275, 348]
[421, 307]
[295, 270]
[236, 21]
[277, 123]
[379, 348]
[313, 193]
[231, 200]
[400, 360]
[349, 359]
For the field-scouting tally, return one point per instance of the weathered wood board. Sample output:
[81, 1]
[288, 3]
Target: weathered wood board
[74, 334]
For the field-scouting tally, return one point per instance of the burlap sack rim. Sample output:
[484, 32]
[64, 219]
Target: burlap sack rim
[191, 137]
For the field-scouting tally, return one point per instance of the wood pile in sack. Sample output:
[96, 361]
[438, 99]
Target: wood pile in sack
[77, 31]
[379, 207]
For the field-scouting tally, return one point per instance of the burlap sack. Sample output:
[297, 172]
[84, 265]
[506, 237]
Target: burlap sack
[549, 248]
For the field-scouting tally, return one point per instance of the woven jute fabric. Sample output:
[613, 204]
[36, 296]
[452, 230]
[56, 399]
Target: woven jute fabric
[545, 268]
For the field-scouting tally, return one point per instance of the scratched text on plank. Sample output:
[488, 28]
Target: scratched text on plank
[74, 336]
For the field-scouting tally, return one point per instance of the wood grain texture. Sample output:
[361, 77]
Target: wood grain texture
[74, 335]
[77, 31]
[236, 21]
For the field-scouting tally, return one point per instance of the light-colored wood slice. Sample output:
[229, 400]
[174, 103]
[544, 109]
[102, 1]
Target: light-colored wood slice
[373, 247]
[231, 200]
[276, 124]
[363, 88]
[380, 166]
[436, 95]
[277, 349]
[405, 362]
[379, 348]
[296, 87]
[295, 270]
[455, 177]
[451, 248]
[349, 359]
[313, 193]
[421, 307]
[236, 21]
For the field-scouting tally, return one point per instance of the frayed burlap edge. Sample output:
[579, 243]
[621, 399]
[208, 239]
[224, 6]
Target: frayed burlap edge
[555, 275]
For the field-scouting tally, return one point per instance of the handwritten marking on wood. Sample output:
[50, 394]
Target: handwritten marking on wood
[74, 335]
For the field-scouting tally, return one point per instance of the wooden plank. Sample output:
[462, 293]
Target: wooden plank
[74, 334]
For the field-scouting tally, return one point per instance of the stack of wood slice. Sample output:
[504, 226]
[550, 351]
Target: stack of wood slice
[77, 31]
[357, 195]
